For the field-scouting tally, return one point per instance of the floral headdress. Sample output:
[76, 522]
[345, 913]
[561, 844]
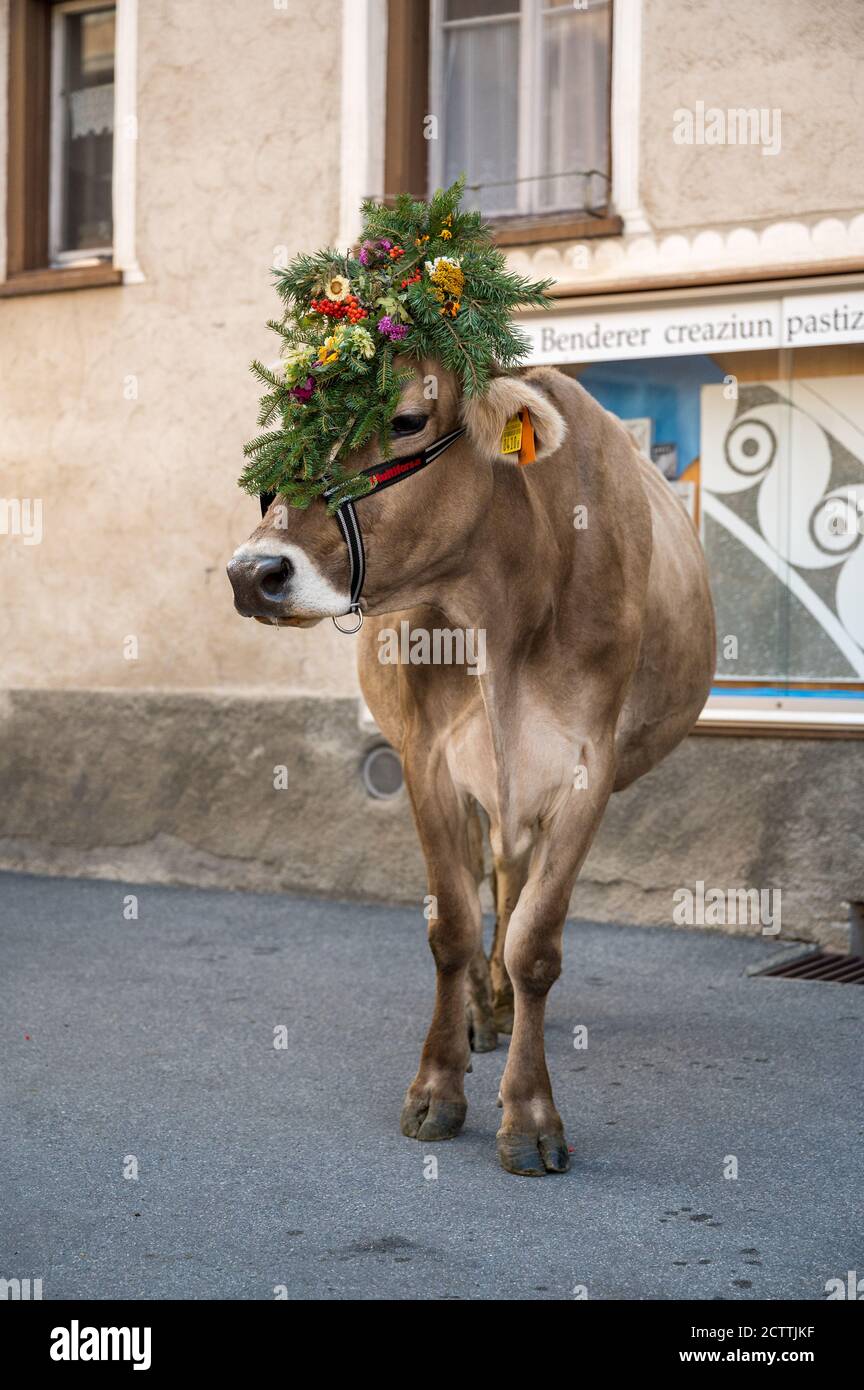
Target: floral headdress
[427, 280]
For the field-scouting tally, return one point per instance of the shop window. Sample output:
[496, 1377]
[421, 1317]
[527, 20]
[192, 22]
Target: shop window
[766, 449]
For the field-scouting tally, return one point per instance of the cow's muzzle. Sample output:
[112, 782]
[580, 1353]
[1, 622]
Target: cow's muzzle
[261, 584]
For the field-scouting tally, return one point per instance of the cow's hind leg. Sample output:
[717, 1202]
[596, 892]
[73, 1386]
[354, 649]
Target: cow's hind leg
[435, 1103]
[531, 1137]
[479, 1002]
[509, 881]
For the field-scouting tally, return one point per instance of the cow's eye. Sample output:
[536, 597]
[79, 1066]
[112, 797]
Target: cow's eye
[409, 423]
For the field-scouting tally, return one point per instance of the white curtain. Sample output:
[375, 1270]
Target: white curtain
[565, 120]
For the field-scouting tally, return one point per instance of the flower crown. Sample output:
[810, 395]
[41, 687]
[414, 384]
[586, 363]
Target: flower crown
[426, 281]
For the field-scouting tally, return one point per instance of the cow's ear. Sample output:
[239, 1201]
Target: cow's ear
[486, 415]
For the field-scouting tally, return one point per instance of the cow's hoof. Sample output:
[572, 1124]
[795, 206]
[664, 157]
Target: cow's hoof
[482, 1037]
[426, 1118]
[532, 1155]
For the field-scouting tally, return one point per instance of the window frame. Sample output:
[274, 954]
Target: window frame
[526, 222]
[27, 164]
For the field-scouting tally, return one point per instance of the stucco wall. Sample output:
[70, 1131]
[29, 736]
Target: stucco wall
[238, 153]
[238, 111]
[802, 58]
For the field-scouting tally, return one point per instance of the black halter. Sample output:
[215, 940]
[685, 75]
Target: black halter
[383, 474]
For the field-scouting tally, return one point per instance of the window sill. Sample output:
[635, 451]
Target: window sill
[560, 226]
[80, 277]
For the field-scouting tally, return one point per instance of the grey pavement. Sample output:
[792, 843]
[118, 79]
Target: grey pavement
[261, 1167]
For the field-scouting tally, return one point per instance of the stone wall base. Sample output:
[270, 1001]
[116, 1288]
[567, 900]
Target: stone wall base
[154, 787]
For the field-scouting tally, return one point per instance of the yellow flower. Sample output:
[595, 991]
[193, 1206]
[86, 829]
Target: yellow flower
[445, 235]
[337, 288]
[329, 352]
[446, 273]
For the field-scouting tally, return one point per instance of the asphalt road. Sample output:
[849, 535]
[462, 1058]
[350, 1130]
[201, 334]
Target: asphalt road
[260, 1168]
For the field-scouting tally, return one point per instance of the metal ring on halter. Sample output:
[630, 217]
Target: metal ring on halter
[355, 609]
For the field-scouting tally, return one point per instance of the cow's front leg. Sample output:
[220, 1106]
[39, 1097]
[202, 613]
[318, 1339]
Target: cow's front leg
[531, 1137]
[435, 1103]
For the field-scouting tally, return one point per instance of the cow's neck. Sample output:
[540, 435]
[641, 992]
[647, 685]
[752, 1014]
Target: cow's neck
[515, 575]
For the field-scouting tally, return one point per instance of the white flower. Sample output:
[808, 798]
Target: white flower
[296, 360]
[362, 341]
[432, 266]
[337, 288]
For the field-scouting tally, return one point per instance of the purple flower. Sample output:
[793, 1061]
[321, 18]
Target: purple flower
[372, 251]
[391, 330]
[304, 392]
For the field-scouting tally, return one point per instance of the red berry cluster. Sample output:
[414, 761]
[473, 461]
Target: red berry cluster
[348, 308]
[412, 280]
[395, 252]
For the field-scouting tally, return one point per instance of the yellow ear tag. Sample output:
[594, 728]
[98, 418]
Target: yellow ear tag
[511, 437]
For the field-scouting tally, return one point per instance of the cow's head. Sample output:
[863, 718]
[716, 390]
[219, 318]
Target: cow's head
[294, 569]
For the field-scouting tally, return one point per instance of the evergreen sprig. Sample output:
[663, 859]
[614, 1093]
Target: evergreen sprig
[427, 280]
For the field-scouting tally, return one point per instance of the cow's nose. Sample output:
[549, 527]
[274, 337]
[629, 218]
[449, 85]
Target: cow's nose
[261, 584]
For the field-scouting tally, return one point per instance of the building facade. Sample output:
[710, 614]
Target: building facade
[689, 172]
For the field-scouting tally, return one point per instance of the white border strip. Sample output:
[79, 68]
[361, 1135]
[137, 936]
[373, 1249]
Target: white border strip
[364, 80]
[625, 115]
[816, 719]
[126, 140]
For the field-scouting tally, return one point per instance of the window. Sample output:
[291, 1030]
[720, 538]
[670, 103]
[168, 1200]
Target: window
[521, 90]
[520, 95]
[82, 131]
[61, 155]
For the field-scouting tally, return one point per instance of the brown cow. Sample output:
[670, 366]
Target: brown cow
[585, 577]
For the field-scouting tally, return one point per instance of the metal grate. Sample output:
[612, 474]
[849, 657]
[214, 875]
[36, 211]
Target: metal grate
[820, 965]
